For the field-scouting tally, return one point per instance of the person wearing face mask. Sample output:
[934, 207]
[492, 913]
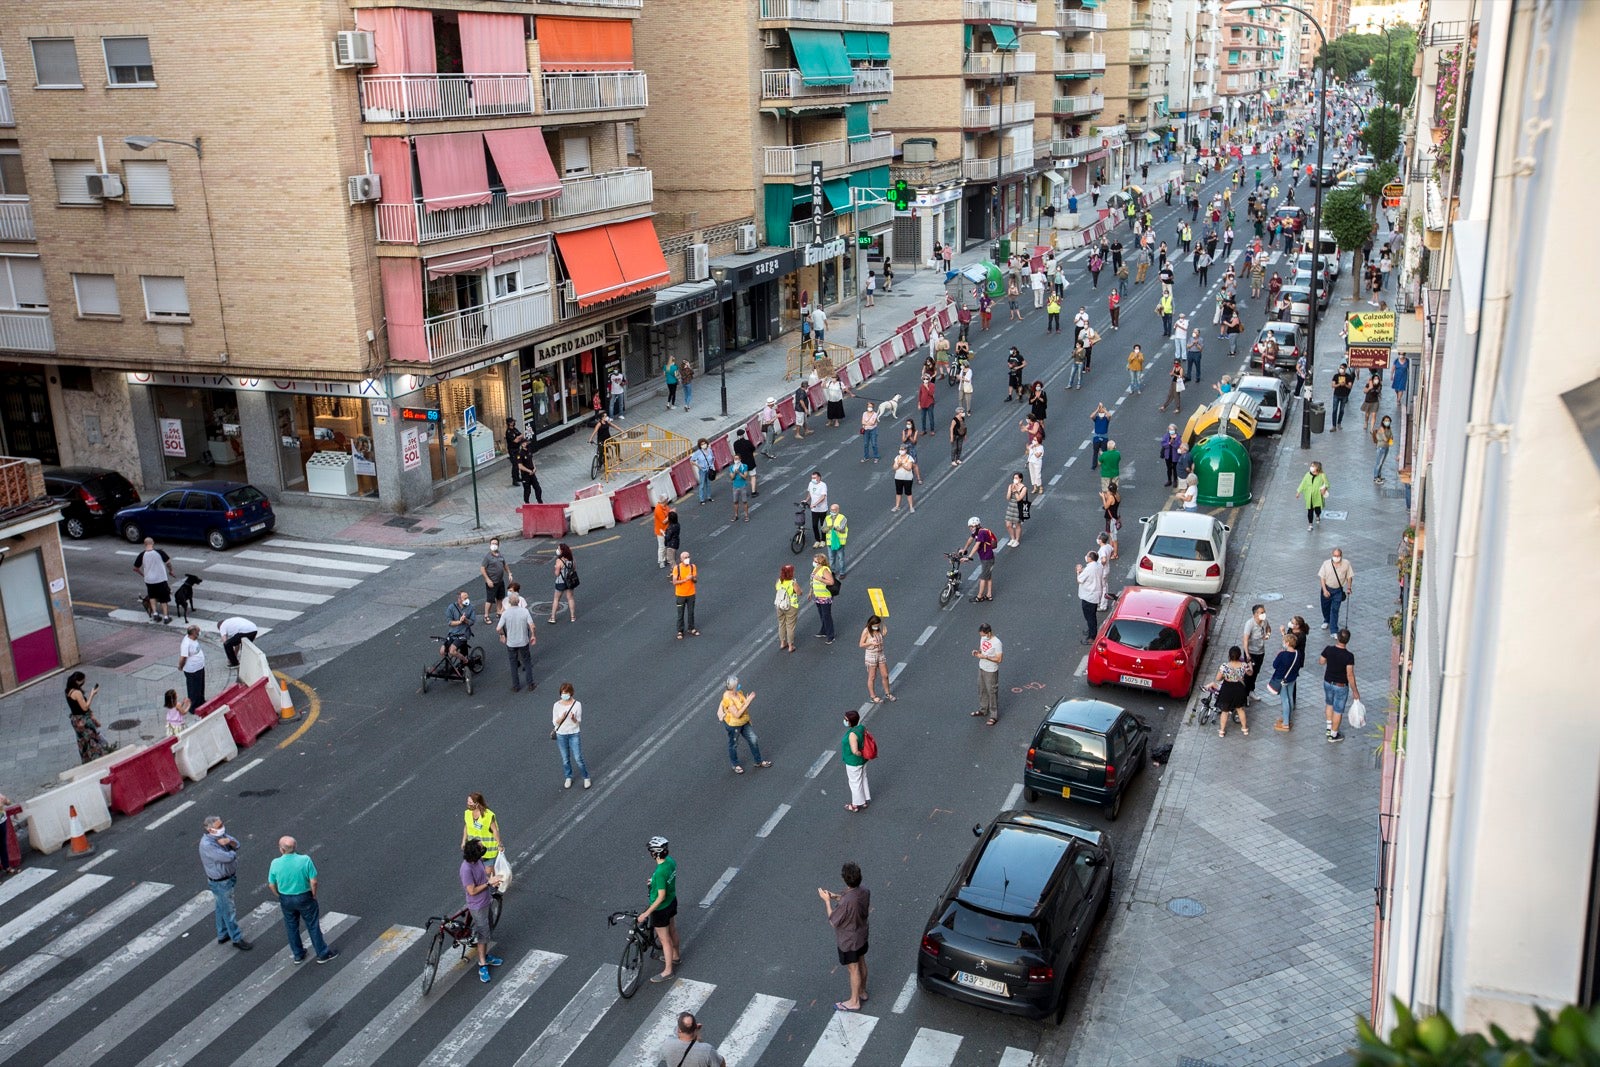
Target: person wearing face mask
[219, 857]
[459, 618]
[1257, 632]
[496, 571]
[877, 663]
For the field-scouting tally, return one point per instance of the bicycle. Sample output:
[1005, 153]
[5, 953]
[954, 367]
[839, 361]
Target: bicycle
[452, 667]
[641, 940]
[802, 511]
[1207, 707]
[952, 578]
[458, 928]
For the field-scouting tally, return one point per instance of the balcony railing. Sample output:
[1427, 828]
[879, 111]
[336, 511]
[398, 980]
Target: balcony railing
[1068, 62]
[1139, 55]
[979, 170]
[1139, 92]
[985, 118]
[1077, 20]
[7, 117]
[594, 91]
[785, 161]
[800, 233]
[27, 331]
[16, 219]
[1138, 126]
[978, 64]
[629, 187]
[1073, 146]
[862, 12]
[457, 332]
[1024, 11]
[412, 224]
[788, 84]
[632, 4]
[1079, 105]
[416, 97]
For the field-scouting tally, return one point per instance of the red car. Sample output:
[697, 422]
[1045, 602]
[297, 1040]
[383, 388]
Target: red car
[1154, 639]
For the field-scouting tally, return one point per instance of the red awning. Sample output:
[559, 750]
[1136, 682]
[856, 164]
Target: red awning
[459, 262]
[453, 169]
[607, 262]
[524, 164]
[402, 308]
[639, 254]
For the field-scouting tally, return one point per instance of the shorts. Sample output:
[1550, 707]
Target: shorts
[1014, 380]
[494, 590]
[902, 487]
[1335, 696]
[854, 955]
[157, 592]
[741, 495]
[987, 570]
[479, 918]
[662, 917]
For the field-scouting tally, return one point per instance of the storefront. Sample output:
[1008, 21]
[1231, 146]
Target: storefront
[822, 272]
[480, 389]
[37, 632]
[561, 378]
[686, 324]
[752, 301]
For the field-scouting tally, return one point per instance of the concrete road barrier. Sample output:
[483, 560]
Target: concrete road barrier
[202, 745]
[49, 814]
[591, 513]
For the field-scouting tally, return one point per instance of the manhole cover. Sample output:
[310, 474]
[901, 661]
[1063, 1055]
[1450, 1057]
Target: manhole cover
[1269, 597]
[115, 659]
[125, 724]
[1187, 907]
[1337, 516]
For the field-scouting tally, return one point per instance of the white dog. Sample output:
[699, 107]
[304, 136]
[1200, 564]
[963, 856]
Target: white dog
[890, 409]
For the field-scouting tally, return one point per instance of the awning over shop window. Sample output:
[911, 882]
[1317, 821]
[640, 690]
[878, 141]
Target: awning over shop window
[524, 164]
[821, 56]
[780, 204]
[584, 44]
[1052, 177]
[857, 123]
[607, 262]
[1005, 37]
[862, 45]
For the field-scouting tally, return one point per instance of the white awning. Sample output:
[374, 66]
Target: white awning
[1052, 177]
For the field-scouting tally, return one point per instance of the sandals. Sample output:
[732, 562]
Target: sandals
[695, 632]
[890, 696]
[851, 808]
[764, 763]
[737, 769]
[680, 637]
[977, 714]
[877, 700]
[991, 722]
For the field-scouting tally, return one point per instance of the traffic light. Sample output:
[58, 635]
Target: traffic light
[900, 194]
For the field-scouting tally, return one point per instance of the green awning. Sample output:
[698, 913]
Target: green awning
[876, 178]
[857, 122]
[837, 190]
[966, 37]
[879, 43]
[856, 45]
[781, 201]
[821, 57]
[1005, 37]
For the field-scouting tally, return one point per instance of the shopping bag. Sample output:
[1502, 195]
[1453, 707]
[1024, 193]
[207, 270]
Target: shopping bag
[502, 868]
[1357, 714]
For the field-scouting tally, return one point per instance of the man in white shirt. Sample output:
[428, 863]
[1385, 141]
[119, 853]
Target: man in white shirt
[1037, 281]
[619, 394]
[819, 324]
[517, 633]
[1105, 551]
[817, 498]
[233, 632]
[192, 662]
[769, 426]
[155, 566]
[989, 652]
[1091, 590]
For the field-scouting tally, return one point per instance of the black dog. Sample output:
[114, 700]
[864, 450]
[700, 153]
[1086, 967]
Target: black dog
[183, 596]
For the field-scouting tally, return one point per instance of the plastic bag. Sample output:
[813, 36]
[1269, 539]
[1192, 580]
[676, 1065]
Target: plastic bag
[502, 869]
[1357, 714]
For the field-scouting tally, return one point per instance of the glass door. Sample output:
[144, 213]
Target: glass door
[29, 621]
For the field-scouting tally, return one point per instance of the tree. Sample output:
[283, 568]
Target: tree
[1381, 134]
[1372, 185]
[1345, 218]
[1391, 67]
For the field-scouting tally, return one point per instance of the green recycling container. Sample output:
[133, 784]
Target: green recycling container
[1003, 250]
[1222, 471]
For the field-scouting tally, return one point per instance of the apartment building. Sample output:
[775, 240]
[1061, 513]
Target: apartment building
[1251, 53]
[1193, 100]
[329, 250]
[1070, 105]
[1138, 51]
[1334, 17]
[748, 108]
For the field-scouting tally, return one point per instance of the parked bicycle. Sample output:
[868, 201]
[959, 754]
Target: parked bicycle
[1208, 704]
[802, 516]
[952, 578]
[457, 929]
[454, 665]
[642, 940]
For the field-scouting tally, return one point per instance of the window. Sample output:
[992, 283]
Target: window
[72, 185]
[13, 182]
[147, 182]
[574, 156]
[165, 299]
[128, 61]
[630, 138]
[55, 63]
[1233, 57]
[22, 284]
[97, 294]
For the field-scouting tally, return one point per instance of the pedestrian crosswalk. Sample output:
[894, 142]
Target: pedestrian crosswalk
[273, 582]
[543, 1009]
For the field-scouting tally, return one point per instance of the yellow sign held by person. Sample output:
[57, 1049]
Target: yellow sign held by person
[880, 606]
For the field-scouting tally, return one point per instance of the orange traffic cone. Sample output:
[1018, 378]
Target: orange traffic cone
[285, 703]
[80, 842]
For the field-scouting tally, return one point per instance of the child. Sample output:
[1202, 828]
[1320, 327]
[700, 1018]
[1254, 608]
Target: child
[176, 710]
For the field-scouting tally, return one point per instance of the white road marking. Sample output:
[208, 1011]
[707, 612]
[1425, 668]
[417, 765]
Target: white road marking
[929, 632]
[174, 813]
[1057, 477]
[389, 1025]
[753, 1030]
[932, 1048]
[907, 991]
[228, 610]
[100, 857]
[1016, 1057]
[255, 592]
[1083, 667]
[683, 995]
[346, 550]
[346, 565]
[53, 905]
[1012, 797]
[467, 1039]
[718, 886]
[75, 940]
[325, 581]
[241, 771]
[841, 1043]
[571, 1025]
[773, 820]
[1083, 444]
[79, 548]
[822, 761]
[1070, 461]
[18, 884]
[894, 673]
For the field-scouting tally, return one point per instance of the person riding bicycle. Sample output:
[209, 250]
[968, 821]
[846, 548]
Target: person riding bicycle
[459, 617]
[662, 914]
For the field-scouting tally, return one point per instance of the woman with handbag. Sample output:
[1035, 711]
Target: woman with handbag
[1174, 387]
[566, 573]
[566, 720]
[823, 585]
[1170, 444]
[871, 643]
[786, 600]
[852, 753]
[1016, 497]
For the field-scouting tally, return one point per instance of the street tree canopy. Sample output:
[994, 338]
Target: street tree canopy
[1381, 134]
[1344, 216]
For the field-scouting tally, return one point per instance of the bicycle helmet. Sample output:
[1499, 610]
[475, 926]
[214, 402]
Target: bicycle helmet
[658, 846]
[974, 521]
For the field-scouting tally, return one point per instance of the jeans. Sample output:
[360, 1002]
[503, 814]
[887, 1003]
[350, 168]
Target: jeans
[685, 613]
[1330, 608]
[928, 420]
[298, 908]
[1335, 696]
[1166, 324]
[1053, 322]
[1091, 619]
[836, 561]
[227, 914]
[703, 477]
[825, 618]
[1097, 446]
[1233, 343]
[734, 733]
[1075, 375]
[1193, 371]
[1383, 457]
[688, 394]
[571, 752]
[989, 693]
[1286, 697]
[619, 404]
[1177, 345]
[1136, 380]
[869, 444]
[521, 658]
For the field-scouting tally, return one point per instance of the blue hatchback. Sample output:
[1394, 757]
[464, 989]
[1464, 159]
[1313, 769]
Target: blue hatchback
[218, 513]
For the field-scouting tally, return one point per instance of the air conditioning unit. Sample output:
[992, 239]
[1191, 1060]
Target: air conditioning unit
[364, 188]
[354, 48]
[918, 150]
[771, 38]
[746, 241]
[698, 262]
[104, 186]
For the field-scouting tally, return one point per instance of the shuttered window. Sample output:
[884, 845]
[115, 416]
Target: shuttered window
[22, 283]
[71, 184]
[128, 61]
[165, 298]
[97, 294]
[55, 63]
[147, 181]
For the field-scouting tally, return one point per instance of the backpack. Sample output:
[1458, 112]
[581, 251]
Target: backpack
[869, 745]
[569, 574]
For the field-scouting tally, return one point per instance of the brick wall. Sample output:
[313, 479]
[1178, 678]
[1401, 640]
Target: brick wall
[21, 481]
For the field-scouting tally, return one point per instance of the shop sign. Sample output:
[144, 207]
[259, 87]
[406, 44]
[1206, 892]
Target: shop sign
[367, 388]
[558, 348]
[744, 275]
[379, 409]
[172, 437]
[934, 199]
[816, 204]
[1367, 357]
[410, 449]
[419, 414]
[411, 383]
[815, 254]
[684, 305]
[1369, 328]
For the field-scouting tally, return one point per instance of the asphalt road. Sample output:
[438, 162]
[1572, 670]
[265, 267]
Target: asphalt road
[375, 787]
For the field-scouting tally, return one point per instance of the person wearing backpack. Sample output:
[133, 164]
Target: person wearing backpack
[786, 601]
[856, 747]
[566, 575]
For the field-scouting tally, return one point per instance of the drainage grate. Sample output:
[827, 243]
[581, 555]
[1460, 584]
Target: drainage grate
[1187, 907]
[115, 659]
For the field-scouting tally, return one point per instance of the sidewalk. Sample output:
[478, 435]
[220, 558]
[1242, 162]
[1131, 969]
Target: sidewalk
[1243, 928]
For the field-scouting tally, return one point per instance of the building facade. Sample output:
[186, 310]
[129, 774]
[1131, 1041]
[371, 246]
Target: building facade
[1071, 104]
[1138, 57]
[1334, 16]
[1192, 98]
[329, 252]
[1252, 54]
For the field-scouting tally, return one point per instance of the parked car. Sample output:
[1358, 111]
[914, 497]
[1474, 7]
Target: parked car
[218, 513]
[1183, 550]
[1330, 271]
[1154, 639]
[1272, 399]
[90, 498]
[1293, 216]
[1087, 750]
[1017, 916]
[1327, 175]
[1286, 335]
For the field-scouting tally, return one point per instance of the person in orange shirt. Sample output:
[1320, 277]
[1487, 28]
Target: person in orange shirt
[661, 509]
[685, 576]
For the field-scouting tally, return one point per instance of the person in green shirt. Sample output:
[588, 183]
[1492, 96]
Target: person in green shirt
[663, 910]
[1110, 464]
[1314, 490]
[293, 879]
[852, 755]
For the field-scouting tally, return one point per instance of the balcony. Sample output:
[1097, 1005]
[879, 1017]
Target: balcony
[1086, 104]
[800, 233]
[1024, 11]
[634, 5]
[7, 117]
[926, 175]
[457, 332]
[614, 90]
[870, 215]
[987, 118]
[860, 12]
[787, 161]
[628, 187]
[412, 224]
[999, 64]
[1080, 62]
[1063, 147]
[27, 331]
[1141, 91]
[1138, 55]
[421, 97]
[1077, 20]
[1157, 23]
[16, 219]
[1138, 126]
[788, 85]
[987, 170]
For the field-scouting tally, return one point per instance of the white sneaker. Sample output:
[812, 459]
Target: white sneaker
[567, 784]
[586, 783]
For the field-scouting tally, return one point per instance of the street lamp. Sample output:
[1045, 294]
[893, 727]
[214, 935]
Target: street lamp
[139, 143]
[1000, 140]
[720, 275]
[1316, 210]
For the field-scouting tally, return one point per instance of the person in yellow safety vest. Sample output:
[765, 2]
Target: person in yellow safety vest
[481, 825]
[835, 532]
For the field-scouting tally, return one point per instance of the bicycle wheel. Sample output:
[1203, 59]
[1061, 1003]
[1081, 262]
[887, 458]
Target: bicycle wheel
[596, 466]
[496, 901]
[430, 969]
[946, 593]
[475, 660]
[797, 544]
[424, 680]
[466, 677]
[630, 972]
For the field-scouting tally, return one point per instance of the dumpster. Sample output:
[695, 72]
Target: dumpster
[1222, 472]
[1318, 414]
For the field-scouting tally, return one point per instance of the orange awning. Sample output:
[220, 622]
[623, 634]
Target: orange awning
[584, 44]
[607, 262]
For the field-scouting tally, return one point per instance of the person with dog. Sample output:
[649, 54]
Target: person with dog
[234, 631]
[156, 568]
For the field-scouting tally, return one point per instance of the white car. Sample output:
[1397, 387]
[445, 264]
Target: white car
[1184, 551]
[1272, 398]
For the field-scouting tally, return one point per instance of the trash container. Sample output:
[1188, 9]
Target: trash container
[1318, 414]
[1002, 250]
[1222, 470]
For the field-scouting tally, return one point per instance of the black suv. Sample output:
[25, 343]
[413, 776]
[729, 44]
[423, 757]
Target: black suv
[89, 497]
[1018, 914]
[1086, 750]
